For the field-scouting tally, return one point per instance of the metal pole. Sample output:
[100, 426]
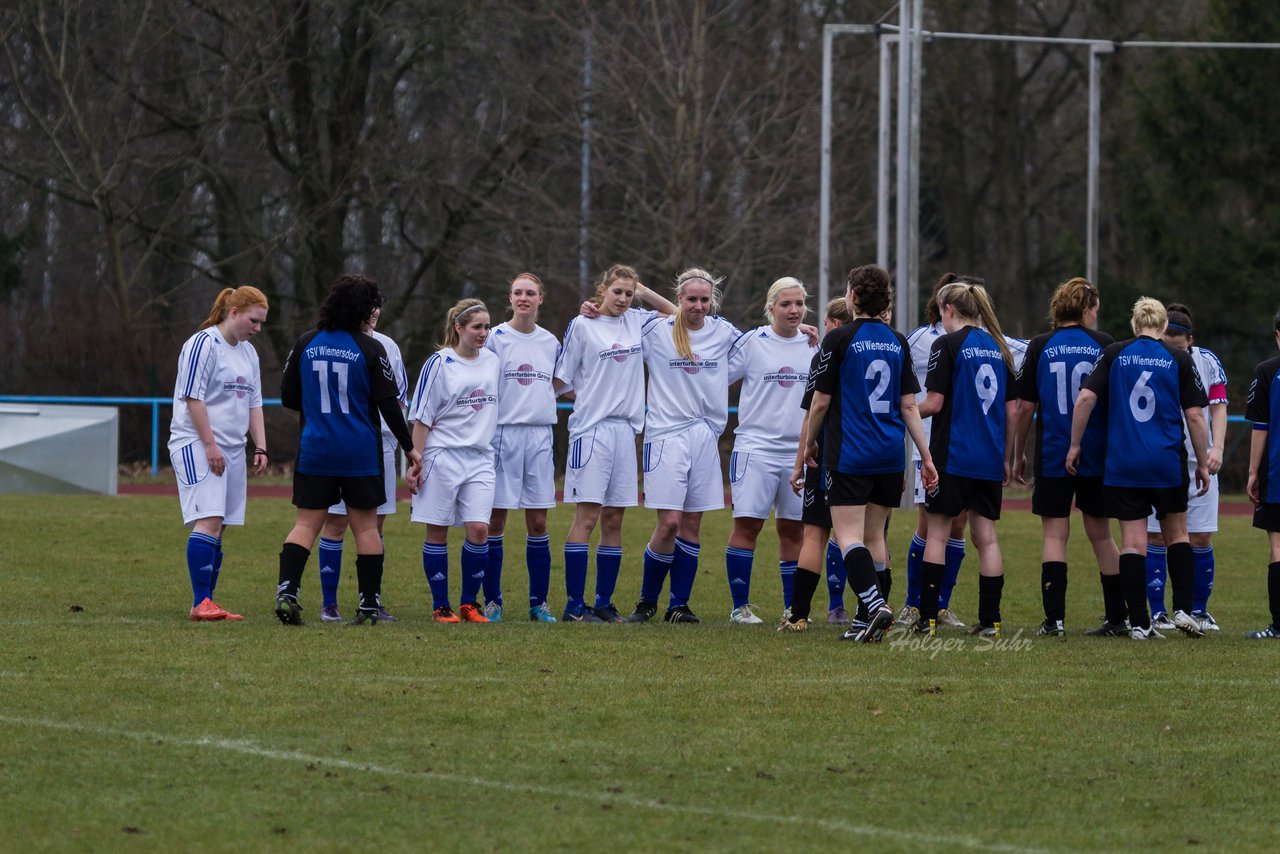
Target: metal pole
[1095, 130]
[903, 214]
[584, 212]
[883, 153]
[824, 201]
[912, 282]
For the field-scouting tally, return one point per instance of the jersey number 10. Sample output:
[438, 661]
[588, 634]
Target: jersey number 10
[1078, 373]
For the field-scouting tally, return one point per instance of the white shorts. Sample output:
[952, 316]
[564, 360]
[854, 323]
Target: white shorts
[918, 485]
[1202, 510]
[525, 470]
[204, 495]
[682, 472]
[457, 488]
[762, 482]
[389, 478]
[602, 466]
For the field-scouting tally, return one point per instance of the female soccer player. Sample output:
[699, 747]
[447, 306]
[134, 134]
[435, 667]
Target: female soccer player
[455, 416]
[865, 379]
[1264, 473]
[1056, 364]
[1202, 510]
[969, 385]
[335, 526]
[601, 359]
[525, 472]
[217, 399]
[340, 380]
[1148, 388]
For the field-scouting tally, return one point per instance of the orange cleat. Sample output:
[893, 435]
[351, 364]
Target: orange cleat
[472, 614]
[445, 615]
[229, 615]
[207, 612]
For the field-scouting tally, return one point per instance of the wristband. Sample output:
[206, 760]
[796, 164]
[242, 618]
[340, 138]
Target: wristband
[262, 451]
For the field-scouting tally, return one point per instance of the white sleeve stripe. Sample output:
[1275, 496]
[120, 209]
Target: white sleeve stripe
[425, 382]
[193, 366]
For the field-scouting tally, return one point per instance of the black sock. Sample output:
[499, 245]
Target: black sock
[805, 582]
[1113, 598]
[931, 575]
[369, 577]
[884, 577]
[1182, 575]
[293, 560]
[1133, 580]
[1273, 592]
[990, 587]
[861, 570]
[1053, 589]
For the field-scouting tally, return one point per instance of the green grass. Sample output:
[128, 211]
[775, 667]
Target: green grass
[126, 726]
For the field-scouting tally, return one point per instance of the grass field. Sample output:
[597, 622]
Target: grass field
[127, 727]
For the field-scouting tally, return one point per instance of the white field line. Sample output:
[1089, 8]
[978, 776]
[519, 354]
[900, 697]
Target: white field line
[250, 749]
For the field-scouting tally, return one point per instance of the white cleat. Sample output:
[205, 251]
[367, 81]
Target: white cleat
[744, 616]
[1187, 624]
[1141, 634]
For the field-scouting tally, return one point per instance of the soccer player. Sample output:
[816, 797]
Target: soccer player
[1264, 473]
[455, 416]
[601, 359]
[525, 471]
[969, 385]
[770, 361]
[340, 380]
[1202, 510]
[1148, 389]
[217, 399]
[335, 525]
[1056, 364]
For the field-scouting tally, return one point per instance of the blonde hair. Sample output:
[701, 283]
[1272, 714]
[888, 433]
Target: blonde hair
[238, 298]
[1071, 300]
[457, 315]
[973, 301]
[778, 287]
[1148, 313]
[617, 271]
[838, 310]
[680, 329]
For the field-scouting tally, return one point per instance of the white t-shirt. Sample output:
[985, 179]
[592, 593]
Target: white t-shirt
[226, 377]
[389, 443]
[528, 361]
[683, 391]
[774, 371]
[458, 399]
[602, 359]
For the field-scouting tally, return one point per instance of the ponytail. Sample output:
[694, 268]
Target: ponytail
[972, 301]
[238, 298]
[991, 322]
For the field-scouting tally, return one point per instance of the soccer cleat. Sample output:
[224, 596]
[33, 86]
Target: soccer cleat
[1052, 629]
[230, 617]
[1270, 631]
[744, 616]
[1187, 624]
[383, 616]
[786, 617]
[1162, 622]
[991, 631]
[1207, 622]
[445, 615]
[680, 614]
[644, 612]
[207, 612]
[800, 625]
[609, 614]
[948, 620]
[1140, 634]
[908, 616]
[838, 617]
[871, 631]
[288, 610]
[329, 614]
[366, 616]
[1109, 630]
[541, 614]
[471, 613]
[493, 612]
[580, 614]
[927, 628]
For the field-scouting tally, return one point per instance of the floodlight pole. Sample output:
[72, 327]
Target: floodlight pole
[902, 265]
[910, 279]
[884, 141]
[1096, 52]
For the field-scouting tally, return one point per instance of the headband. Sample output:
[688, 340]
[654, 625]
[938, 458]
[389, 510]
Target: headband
[478, 306]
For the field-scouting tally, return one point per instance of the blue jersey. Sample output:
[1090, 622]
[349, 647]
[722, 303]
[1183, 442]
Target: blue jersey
[968, 369]
[335, 379]
[1264, 400]
[865, 367]
[1145, 385]
[1052, 372]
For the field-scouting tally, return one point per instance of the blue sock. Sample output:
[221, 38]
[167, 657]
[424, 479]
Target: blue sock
[1157, 574]
[951, 571]
[200, 551]
[435, 565]
[493, 572]
[537, 554]
[217, 569]
[575, 575]
[915, 570]
[684, 566]
[1204, 577]
[737, 566]
[475, 557]
[656, 567]
[608, 563]
[330, 570]
[837, 576]
[787, 572]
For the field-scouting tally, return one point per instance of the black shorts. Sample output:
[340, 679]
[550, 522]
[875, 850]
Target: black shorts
[1051, 496]
[1130, 503]
[1267, 517]
[955, 493]
[320, 492]
[857, 490]
[815, 512]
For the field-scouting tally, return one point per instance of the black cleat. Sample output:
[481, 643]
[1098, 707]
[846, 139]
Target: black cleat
[871, 631]
[609, 614]
[644, 612]
[1110, 630]
[369, 616]
[288, 610]
[680, 614]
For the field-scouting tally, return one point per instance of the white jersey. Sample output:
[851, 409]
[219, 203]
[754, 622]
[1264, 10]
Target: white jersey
[684, 391]
[458, 399]
[389, 441]
[1214, 379]
[226, 378]
[602, 359]
[774, 371]
[528, 361]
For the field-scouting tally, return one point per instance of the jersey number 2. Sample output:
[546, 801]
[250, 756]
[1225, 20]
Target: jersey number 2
[878, 402]
[340, 374]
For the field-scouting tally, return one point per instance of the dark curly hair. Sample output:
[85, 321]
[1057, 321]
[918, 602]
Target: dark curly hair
[870, 289]
[350, 302]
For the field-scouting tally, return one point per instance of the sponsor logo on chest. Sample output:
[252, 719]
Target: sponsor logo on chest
[477, 399]
[526, 375]
[239, 387]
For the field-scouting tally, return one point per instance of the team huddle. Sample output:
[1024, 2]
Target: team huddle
[1129, 430]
